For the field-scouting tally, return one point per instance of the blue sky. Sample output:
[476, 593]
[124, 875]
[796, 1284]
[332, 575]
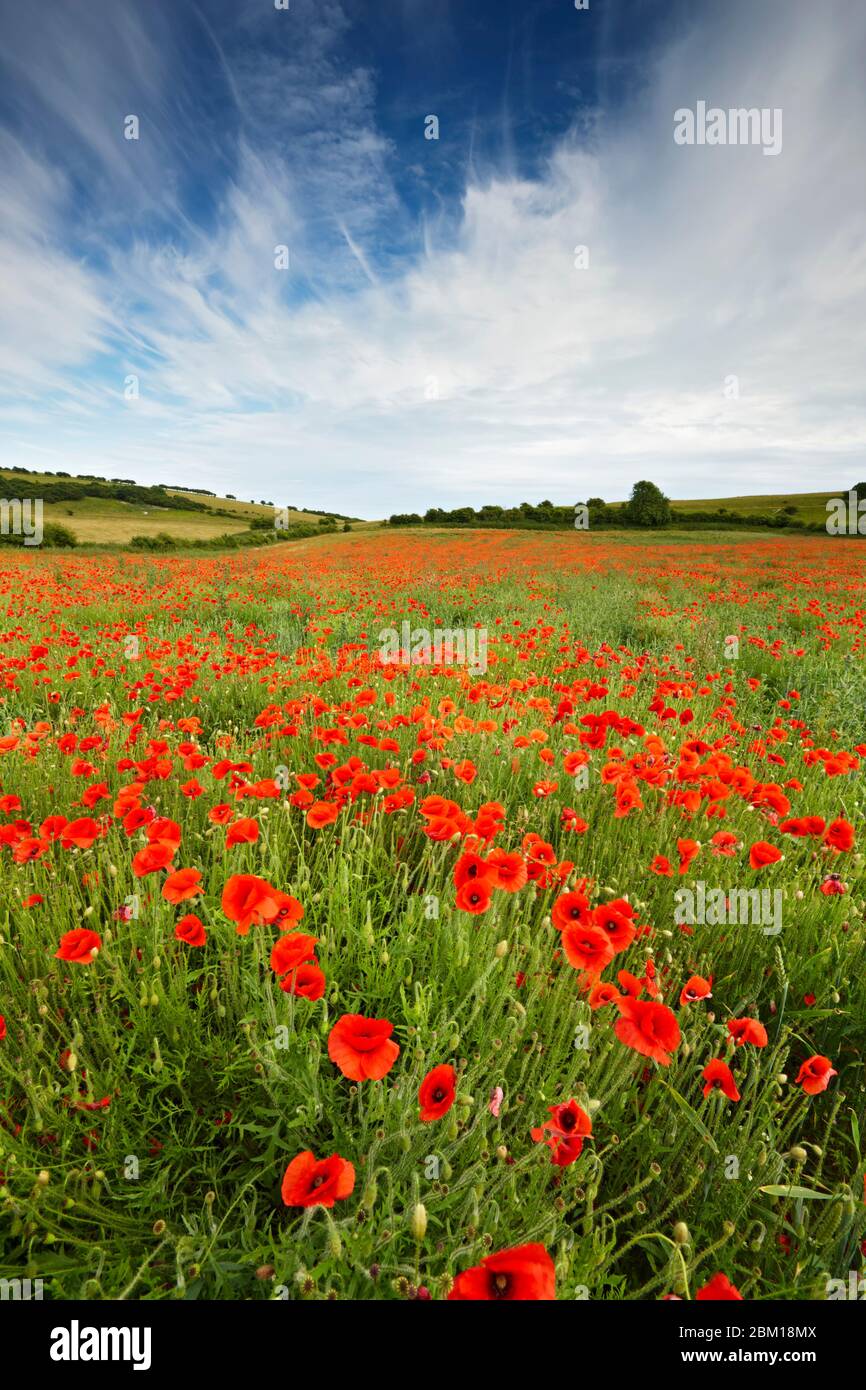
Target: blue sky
[432, 341]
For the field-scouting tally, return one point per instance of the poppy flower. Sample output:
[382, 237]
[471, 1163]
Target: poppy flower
[649, 1028]
[80, 834]
[509, 870]
[437, 1092]
[307, 981]
[191, 930]
[474, 896]
[695, 988]
[525, 1273]
[291, 951]
[471, 868]
[242, 832]
[718, 1077]
[840, 835]
[79, 945]
[763, 853]
[570, 910]
[317, 1182]
[719, 1287]
[321, 813]
[814, 1075]
[587, 948]
[151, 859]
[2, 1027]
[249, 901]
[564, 1132]
[747, 1030]
[182, 885]
[362, 1048]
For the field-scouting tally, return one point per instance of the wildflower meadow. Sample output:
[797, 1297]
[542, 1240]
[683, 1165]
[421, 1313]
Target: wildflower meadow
[334, 971]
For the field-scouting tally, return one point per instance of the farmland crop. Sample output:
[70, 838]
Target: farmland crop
[330, 974]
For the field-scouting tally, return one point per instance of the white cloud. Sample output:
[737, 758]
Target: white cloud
[546, 380]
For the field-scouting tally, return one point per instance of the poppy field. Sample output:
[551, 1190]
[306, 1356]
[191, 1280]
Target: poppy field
[327, 976]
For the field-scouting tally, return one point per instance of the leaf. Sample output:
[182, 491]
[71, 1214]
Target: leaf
[692, 1116]
[780, 1191]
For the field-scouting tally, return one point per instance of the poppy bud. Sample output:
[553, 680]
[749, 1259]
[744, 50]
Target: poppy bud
[418, 1222]
[335, 1245]
[799, 1155]
[501, 950]
[681, 1233]
[501, 1151]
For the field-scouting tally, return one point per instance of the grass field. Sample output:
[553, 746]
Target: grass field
[229, 828]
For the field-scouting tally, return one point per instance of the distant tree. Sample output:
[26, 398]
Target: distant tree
[647, 506]
[595, 501]
[860, 489]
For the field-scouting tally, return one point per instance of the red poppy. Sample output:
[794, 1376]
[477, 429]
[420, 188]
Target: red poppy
[509, 870]
[322, 813]
[242, 832]
[191, 930]
[80, 945]
[718, 1077]
[564, 1132]
[814, 1075]
[437, 1092]
[525, 1273]
[719, 1287]
[307, 981]
[151, 859]
[474, 896]
[362, 1048]
[182, 885]
[249, 901]
[696, 987]
[747, 1030]
[650, 1028]
[571, 910]
[317, 1182]
[291, 951]
[840, 834]
[587, 948]
[763, 853]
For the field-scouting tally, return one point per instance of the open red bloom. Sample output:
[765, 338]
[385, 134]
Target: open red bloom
[763, 853]
[437, 1092]
[509, 870]
[291, 951]
[695, 988]
[564, 1132]
[243, 832]
[571, 910]
[322, 813]
[474, 896]
[718, 1077]
[587, 948]
[747, 1030]
[518, 1275]
[719, 1287]
[151, 859]
[79, 945]
[191, 930]
[840, 834]
[181, 885]
[362, 1048]
[650, 1028]
[249, 901]
[317, 1182]
[814, 1075]
[307, 981]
